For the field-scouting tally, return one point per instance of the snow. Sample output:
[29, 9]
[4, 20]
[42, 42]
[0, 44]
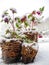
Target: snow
[42, 57]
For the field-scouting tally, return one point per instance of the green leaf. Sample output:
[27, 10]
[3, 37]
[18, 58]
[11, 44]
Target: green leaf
[13, 34]
[26, 24]
[33, 18]
[30, 15]
[7, 31]
[41, 9]
[17, 25]
[18, 19]
[6, 12]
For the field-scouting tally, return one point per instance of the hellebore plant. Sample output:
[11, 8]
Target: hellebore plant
[17, 21]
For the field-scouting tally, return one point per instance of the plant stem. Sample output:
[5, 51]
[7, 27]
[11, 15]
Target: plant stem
[13, 24]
